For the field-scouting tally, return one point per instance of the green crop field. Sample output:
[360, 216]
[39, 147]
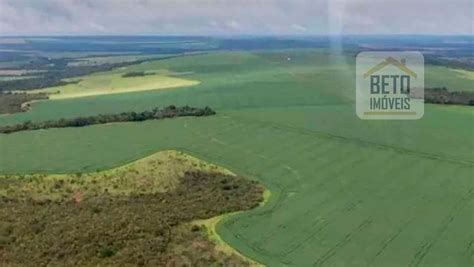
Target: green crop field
[343, 191]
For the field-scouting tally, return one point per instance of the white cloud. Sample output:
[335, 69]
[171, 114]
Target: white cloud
[233, 25]
[43, 17]
[97, 27]
[298, 28]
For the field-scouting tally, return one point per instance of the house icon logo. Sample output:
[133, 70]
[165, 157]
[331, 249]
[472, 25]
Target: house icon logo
[391, 61]
[385, 83]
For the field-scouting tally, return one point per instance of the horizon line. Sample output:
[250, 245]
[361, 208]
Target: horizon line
[237, 35]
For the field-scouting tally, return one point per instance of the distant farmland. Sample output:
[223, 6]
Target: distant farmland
[112, 83]
[343, 191]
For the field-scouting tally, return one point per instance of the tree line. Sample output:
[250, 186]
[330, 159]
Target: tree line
[54, 77]
[137, 74]
[155, 114]
[443, 96]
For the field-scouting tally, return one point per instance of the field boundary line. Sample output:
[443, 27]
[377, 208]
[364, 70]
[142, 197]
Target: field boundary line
[278, 192]
[361, 142]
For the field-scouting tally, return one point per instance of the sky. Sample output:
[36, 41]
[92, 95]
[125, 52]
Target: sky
[235, 17]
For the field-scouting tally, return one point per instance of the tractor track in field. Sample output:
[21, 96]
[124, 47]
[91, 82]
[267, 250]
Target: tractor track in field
[428, 244]
[470, 248]
[281, 194]
[352, 206]
[360, 142]
[332, 251]
[318, 225]
[399, 230]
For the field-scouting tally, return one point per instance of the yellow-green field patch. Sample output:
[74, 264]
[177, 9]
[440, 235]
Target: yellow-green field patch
[113, 83]
[210, 226]
[466, 74]
[159, 172]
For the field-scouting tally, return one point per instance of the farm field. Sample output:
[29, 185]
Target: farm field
[235, 80]
[110, 59]
[113, 83]
[453, 79]
[343, 191]
[336, 184]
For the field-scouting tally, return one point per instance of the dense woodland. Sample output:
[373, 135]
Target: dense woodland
[443, 96]
[17, 102]
[127, 230]
[155, 114]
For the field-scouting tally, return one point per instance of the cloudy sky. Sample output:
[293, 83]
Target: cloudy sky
[235, 17]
